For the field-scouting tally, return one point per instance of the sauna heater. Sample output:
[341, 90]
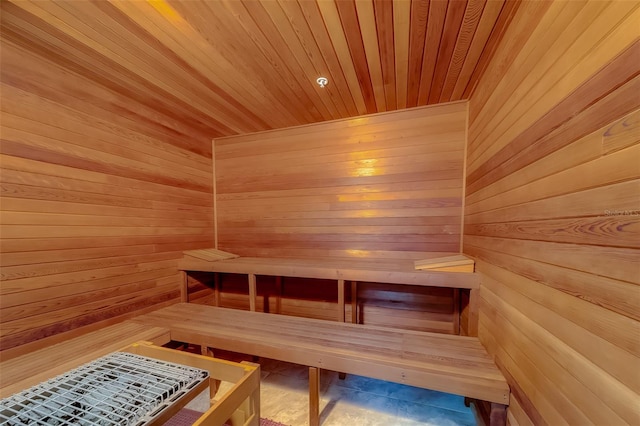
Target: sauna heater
[118, 389]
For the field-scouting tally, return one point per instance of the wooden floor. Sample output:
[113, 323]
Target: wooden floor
[453, 364]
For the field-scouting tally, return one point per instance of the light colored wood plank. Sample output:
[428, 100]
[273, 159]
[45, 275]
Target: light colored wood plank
[439, 263]
[210, 254]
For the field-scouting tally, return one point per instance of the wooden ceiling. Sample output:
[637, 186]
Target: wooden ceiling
[229, 67]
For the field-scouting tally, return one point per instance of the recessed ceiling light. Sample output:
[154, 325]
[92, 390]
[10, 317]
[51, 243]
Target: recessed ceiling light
[322, 81]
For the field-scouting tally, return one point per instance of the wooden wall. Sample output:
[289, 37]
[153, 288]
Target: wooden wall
[381, 186]
[553, 211]
[100, 194]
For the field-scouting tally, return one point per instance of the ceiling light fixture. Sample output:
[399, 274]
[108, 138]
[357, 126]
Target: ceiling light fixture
[322, 81]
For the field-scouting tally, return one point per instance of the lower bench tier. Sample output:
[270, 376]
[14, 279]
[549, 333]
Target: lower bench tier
[447, 363]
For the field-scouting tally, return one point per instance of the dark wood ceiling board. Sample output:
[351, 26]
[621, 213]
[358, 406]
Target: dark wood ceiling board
[269, 48]
[323, 40]
[384, 24]
[467, 31]
[490, 14]
[190, 45]
[369, 30]
[418, 29]
[351, 28]
[213, 22]
[401, 37]
[50, 43]
[329, 94]
[435, 25]
[452, 24]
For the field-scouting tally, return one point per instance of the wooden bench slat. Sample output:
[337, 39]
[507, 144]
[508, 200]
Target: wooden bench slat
[385, 272]
[455, 364]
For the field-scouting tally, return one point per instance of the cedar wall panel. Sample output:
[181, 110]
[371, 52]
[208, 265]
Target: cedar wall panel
[381, 186]
[100, 194]
[553, 212]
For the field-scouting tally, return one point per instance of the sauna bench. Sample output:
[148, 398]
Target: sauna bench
[341, 270]
[447, 363]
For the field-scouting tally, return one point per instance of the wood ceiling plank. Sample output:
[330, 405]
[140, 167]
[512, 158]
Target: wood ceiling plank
[468, 28]
[418, 32]
[490, 14]
[452, 24]
[215, 22]
[435, 25]
[271, 12]
[281, 36]
[177, 34]
[235, 67]
[352, 32]
[323, 39]
[331, 18]
[106, 35]
[300, 26]
[401, 35]
[507, 14]
[367, 20]
[269, 49]
[384, 23]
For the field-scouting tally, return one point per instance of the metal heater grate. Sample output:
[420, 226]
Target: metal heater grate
[118, 389]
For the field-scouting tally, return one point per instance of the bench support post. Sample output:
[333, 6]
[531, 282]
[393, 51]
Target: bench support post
[184, 288]
[341, 316]
[278, 295]
[314, 396]
[472, 327]
[491, 413]
[354, 302]
[252, 292]
[498, 415]
[216, 289]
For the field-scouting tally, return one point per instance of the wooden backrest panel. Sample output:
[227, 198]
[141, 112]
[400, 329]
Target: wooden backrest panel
[553, 208]
[380, 186]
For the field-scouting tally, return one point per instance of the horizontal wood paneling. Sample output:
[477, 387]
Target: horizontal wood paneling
[379, 186]
[222, 68]
[552, 211]
[100, 195]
